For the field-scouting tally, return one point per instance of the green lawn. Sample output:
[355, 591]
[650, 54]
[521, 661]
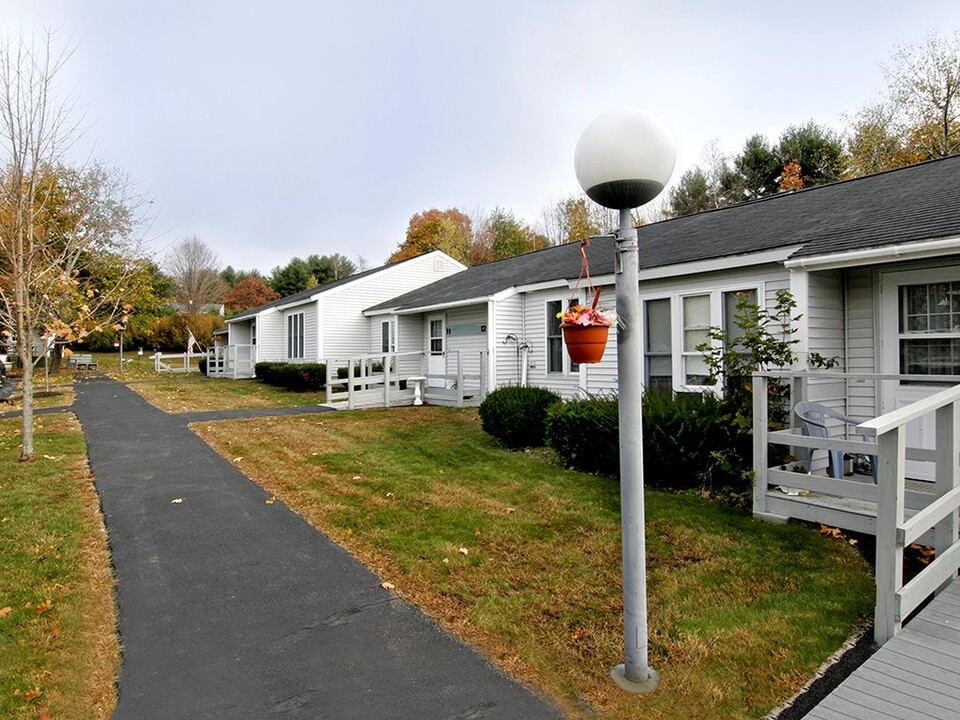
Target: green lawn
[522, 559]
[57, 640]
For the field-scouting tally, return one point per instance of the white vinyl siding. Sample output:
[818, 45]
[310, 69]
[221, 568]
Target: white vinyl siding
[508, 320]
[270, 342]
[825, 315]
[345, 330]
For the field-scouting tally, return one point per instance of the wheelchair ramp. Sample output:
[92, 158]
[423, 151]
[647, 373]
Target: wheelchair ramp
[914, 676]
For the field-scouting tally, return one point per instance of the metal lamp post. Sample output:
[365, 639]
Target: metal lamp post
[623, 160]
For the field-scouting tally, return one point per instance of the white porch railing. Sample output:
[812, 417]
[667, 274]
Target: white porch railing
[390, 379]
[232, 361]
[176, 362]
[896, 600]
[898, 511]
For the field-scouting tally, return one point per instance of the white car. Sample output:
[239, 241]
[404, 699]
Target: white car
[6, 360]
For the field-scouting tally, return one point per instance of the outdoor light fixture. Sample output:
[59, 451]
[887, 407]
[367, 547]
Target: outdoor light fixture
[623, 160]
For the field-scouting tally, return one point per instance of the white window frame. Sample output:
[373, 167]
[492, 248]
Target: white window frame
[295, 336]
[677, 352]
[391, 344]
[567, 367]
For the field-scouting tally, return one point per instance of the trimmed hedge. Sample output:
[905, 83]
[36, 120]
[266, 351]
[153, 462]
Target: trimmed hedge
[516, 416]
[297, 377]
[585, 433]
[689, 440]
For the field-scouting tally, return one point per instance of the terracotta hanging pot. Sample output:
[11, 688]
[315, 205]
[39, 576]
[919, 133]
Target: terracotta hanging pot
[585, 343]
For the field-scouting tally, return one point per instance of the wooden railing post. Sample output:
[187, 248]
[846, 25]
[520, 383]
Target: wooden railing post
[760, 425]
[384, 360]
[891, 461]
[350, 381]
[459, 378]
[947, 474]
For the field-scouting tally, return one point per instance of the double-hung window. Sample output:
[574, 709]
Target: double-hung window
[555, 353]
[675, 326]
[658, 346]
[295, 336]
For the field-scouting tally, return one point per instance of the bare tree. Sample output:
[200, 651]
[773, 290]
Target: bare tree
[64, 233]
[195, 270]
[925, 82]
[576, 218]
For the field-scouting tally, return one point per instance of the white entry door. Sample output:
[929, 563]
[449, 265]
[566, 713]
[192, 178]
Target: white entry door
[437, 349]
[920, 327]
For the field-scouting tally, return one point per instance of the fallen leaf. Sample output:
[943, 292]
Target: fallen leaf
[55, 631]
[463, 551]
[238, 459]
[271, 500]
[5, 611]
[31, 695]
[387, 585]
[357, 477]
[43, 607]
[53, 457]
[389, 494]
[446, 561]
[176, 501]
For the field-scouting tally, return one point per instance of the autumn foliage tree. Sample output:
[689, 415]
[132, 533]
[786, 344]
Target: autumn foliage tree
[67, 247]
[249, 293]
[446, 230]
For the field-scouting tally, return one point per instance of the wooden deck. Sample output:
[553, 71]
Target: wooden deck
[914, 676]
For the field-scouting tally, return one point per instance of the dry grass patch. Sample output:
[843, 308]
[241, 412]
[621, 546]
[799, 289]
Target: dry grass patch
[522, 560]
[57, 620]
[197, 393]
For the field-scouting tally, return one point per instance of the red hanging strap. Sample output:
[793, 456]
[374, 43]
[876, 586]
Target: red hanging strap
[585, 271]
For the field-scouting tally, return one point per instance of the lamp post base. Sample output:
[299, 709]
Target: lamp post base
[619, 675]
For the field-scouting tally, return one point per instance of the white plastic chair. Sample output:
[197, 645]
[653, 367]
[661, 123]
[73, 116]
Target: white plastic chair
[814, 418]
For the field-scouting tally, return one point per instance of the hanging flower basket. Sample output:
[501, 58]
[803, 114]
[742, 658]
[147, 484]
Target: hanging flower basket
[585, 343]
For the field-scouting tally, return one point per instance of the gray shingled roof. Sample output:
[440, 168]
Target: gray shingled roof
[310, 292]
[919, 202]
[481, 281]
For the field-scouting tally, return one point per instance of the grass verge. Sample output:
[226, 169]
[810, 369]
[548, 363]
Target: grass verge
[57, 642]
[522, 560]
[195, 393]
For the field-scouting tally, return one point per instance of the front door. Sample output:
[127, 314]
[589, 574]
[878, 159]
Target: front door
[436, 350]
[920, 336]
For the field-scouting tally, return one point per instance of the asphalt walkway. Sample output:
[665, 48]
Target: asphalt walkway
[233, 608]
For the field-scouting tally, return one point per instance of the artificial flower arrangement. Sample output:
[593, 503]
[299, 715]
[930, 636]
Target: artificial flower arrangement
[583, 315]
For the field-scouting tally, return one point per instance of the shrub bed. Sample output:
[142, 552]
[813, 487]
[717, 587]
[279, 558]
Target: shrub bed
[689, 440]
[297, 377]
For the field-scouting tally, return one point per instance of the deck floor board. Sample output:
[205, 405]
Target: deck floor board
[914, 676]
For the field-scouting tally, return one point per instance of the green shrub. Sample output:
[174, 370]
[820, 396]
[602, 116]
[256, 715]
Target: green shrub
[585, 433]
[689, 440]
[516, 416]
[297, 377]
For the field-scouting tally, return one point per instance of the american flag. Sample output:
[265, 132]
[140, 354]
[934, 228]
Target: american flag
[192, 343]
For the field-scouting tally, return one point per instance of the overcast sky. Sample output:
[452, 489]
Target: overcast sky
[281, 129]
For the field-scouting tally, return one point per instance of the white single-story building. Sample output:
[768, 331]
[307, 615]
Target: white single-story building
[325, 321]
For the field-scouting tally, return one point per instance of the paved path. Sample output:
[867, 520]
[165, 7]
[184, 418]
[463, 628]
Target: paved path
[232, 608]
